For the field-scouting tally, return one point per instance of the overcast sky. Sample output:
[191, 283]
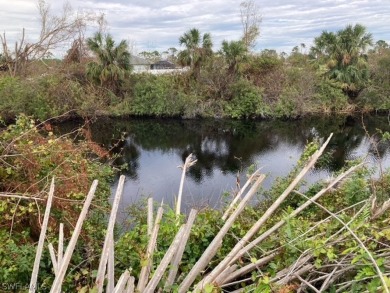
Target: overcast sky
[157, 25]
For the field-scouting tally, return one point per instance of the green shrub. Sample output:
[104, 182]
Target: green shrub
[329, 97]
[246, 101]
[156, 96]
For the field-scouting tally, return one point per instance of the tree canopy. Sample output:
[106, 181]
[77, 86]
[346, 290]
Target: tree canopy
[198, 48]
[344, 53]
[113, 61]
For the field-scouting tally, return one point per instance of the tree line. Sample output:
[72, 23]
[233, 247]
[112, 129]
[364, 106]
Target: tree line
[344, 71]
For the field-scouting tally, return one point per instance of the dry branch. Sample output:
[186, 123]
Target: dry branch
[109, 236]
[150, 216]
[212, 249]
[145, 271]
[53, 258]
[179, 253]
[111, 266]
[238, 196]
[130, 285]
[34, 275]
[190, 161]
[56, 287]
[274, 228]
[152, 285]
[60, 251]
[361, 244]
[255, 228]
[249, 268]
[120, 286]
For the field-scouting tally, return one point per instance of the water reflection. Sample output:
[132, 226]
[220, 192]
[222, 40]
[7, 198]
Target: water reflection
[152, 148]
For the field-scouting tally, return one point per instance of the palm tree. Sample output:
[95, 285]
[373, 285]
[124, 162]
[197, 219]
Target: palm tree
[113, 63]
[345, 55]
[234, 52]
[198, 49]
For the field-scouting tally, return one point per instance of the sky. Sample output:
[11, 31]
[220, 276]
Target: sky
[157, 25]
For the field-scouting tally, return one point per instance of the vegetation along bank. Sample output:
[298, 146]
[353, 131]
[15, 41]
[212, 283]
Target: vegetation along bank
[343, 72]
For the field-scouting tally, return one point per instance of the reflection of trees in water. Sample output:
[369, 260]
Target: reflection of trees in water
[129, 156]
[230, 145]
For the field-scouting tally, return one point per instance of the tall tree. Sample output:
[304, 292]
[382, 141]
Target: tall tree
[381, 46]
[198, 49]
[345, 55]
[113, 62]
[250, 20]
[234, 52]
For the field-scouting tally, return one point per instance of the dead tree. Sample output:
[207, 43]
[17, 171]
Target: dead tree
[55, 31]
[250, 20]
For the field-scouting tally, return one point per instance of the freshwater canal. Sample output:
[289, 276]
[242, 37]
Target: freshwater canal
[152, 149]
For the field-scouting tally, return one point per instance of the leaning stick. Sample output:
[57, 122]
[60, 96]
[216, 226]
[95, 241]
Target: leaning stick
[187, 164]
[255, 228]
[225, 274]
[150, 288]
[53, 258]
[150, 216]
[111, 266]
[130, 285]
[120, 286]
[238, 196]
[179, 254]
[38, 255]
[60, 251]
[110, 230]
[56, 287]
[248, 268]
[212, 249]
[145, 271]
[267, 233]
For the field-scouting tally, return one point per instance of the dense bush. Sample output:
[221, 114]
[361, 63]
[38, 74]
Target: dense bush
[329, 97]
[157, 96]
[30, 158]
[246, 101]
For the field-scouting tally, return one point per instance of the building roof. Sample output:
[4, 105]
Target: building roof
[164, 63]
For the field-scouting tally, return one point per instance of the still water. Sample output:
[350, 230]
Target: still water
[152, 149]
